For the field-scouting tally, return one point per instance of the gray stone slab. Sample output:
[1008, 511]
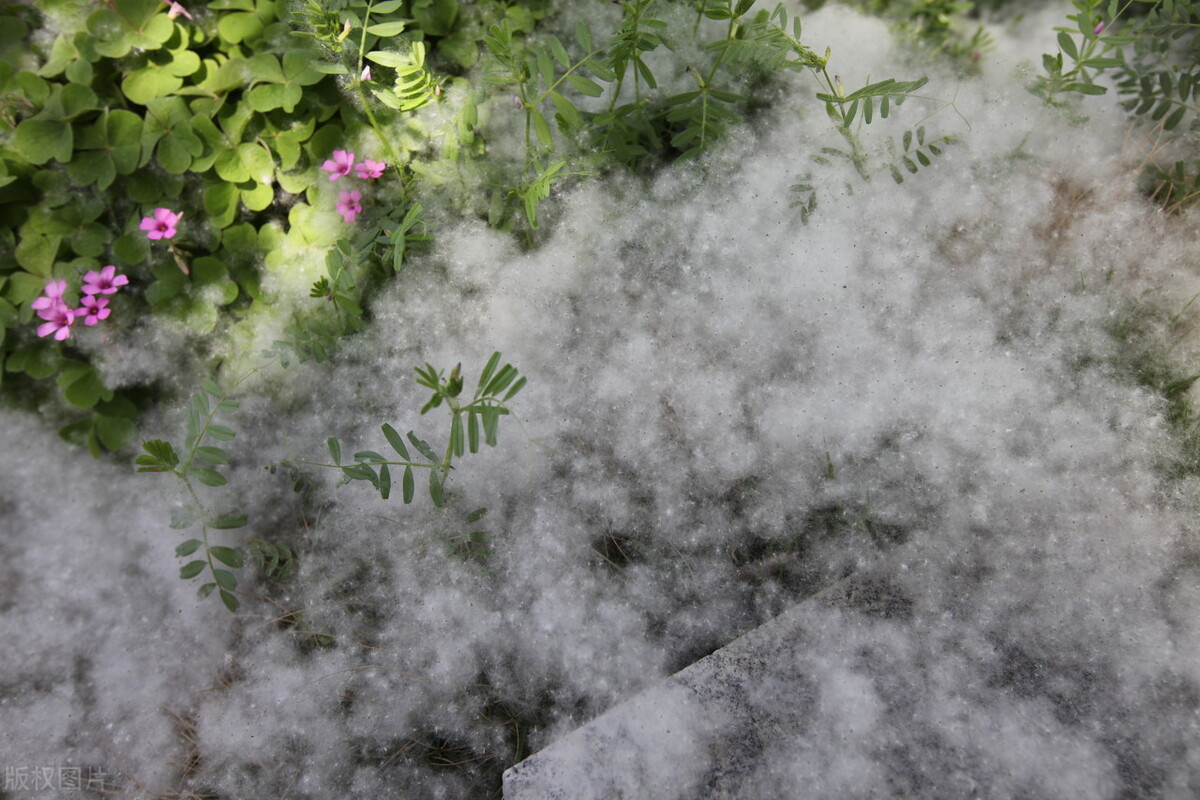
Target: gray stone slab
[695, 733]
[866, 691]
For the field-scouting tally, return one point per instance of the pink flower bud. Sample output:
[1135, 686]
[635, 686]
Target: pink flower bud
[174, 9]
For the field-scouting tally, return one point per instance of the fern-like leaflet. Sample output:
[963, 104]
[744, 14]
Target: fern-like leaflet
[538, 190]
[912, 159]
[415, 86]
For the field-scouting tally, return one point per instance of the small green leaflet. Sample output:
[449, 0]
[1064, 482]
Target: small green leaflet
[187, 548]
[213, 455]
[208, 476]
[486, 375]
[220, 433]
[408, 485]
[161, 458]
[228, 556]
[386, 28]
[228, 521]
[395, 441]
[423, 448]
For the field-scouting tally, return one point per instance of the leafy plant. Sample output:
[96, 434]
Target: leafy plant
[804, 197]
[762, 42]
[941, 25]
[470, 545]
[538, 76]
[844, 108]
[1177, 185]
[848, 112]
[1162, 78]
[276, 560]
[481, 415]
[537, 190]
[1088, 51]
[126, 106]
[1154, 52]
[913, 158]
[353, 269]
[414, 85]
[627, 128]
[199, 463]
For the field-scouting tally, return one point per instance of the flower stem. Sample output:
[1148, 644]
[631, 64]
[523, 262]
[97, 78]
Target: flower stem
[387, 145]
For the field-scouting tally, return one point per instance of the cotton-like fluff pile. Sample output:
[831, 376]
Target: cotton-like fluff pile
[727, 409]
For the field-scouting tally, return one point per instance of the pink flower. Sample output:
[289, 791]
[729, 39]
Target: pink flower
[348, 205]
[52, 297]
[162, 224]
[339, 165]
[94, 309]
[174, 9]
[59, 321]
[370, 169]
[366, 74]
[106, 281]
[1099, 29]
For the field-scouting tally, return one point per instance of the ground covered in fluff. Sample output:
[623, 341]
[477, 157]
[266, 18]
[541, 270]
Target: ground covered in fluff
[728, 410]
